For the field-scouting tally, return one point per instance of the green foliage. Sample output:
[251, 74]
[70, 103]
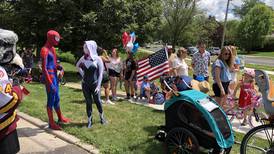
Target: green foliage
[66, 56]
[6, 15]
[231, 31]
[255, 25]
[202, 28]
[269, 44]
[245, 7]
[178, 15]
[80, 20]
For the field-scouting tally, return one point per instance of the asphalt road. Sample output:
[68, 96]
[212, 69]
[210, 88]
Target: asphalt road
[259, 60]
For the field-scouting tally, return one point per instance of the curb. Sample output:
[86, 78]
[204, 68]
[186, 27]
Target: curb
[60, 134]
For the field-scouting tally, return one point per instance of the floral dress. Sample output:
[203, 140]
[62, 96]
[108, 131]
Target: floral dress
[248, 95]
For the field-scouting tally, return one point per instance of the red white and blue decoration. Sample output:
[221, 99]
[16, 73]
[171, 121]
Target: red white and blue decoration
[129, 43]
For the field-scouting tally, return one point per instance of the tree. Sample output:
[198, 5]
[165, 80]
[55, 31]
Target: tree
[116, 16]
[178, 15]
[242, 10]
[231, 32]
[202, 28]
[80, 20]
[6, 15]
[255, 25]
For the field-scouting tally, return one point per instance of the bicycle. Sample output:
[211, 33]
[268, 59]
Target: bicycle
[260, 139]
[253, 118]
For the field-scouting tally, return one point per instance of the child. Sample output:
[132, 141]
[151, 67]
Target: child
[145, 89]
[248, 94]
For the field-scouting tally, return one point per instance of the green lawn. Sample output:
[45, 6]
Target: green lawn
[131, 127]
[262, 67]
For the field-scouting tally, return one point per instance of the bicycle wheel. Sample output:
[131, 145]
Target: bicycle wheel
[180, 140]
[259, 140]
[255, 119]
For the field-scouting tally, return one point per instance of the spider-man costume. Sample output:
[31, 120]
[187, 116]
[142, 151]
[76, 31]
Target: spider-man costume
[49, 70]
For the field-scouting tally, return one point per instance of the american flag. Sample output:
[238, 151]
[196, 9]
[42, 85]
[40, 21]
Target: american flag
[153, 66]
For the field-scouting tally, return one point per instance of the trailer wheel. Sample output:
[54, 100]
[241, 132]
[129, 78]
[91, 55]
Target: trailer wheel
[180, 140]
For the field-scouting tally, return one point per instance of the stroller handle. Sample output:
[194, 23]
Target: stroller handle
[172, 90]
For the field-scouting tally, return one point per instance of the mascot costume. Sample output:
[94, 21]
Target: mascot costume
[10, 95]
[49, 70]
[91, 68]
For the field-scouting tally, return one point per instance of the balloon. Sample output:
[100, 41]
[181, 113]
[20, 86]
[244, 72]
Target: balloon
[132, 37]
[129, 46]
[128, 42]
[135, 48]
[125, 40]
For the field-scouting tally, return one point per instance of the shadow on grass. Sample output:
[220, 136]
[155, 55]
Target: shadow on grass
[158, 111]
[78, 101]
[157, 147]
[72, 76]
[74, 89]
[74, 125]
[154, 145]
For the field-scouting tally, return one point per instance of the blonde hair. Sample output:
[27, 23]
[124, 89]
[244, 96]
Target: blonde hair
[233, 50]
[230, 61]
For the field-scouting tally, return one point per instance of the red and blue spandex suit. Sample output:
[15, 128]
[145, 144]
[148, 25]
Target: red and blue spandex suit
[49, 69]
[50, 75]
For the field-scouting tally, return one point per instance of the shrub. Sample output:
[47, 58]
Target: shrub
[66, 57]
[269, 44]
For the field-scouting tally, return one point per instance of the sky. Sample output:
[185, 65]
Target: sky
[217, 8]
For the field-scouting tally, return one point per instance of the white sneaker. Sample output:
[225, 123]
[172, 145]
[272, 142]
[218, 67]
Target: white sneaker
[109, 102]
[114, 98]
[131, 100]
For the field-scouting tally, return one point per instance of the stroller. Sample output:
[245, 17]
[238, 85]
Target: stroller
[194, 120]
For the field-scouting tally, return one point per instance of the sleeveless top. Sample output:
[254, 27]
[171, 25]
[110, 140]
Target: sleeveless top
[247, 94]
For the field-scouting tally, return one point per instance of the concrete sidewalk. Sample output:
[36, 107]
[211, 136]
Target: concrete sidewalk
[35, 137]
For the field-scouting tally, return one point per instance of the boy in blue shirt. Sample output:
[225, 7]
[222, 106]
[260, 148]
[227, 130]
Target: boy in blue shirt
[145, 88]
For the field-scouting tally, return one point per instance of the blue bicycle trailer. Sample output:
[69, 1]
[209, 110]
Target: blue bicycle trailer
[194, 120]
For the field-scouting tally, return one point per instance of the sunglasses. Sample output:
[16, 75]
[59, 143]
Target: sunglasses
[227, 54]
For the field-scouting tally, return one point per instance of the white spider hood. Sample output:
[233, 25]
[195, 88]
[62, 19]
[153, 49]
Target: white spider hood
[90, 48]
